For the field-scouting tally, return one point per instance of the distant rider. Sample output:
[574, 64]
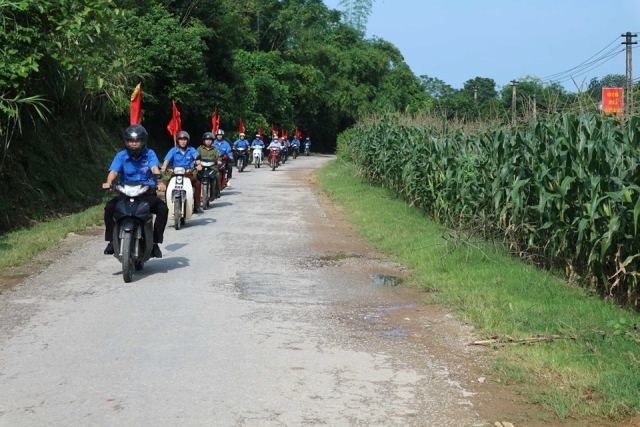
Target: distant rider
[258, 143]
[242, 143]
[183, 155]
[209, 153]
[225, 151]
[136, 163]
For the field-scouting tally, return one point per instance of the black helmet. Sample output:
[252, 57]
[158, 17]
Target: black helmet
[135, 133]
[182, 134]
[208, 135]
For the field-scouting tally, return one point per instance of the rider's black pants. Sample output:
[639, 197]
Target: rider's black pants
[156, 205]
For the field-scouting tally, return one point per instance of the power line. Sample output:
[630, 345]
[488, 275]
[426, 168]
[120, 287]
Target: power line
[583, 62]
[601, 62]
[585, 65]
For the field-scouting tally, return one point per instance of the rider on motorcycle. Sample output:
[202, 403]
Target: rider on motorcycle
[296, 143]
[258, 143]
[187, 157]
[136, 163]
[242, 143]
[209, 153]
[225, 151]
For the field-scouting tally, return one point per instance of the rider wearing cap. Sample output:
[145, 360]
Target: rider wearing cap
[187, 157]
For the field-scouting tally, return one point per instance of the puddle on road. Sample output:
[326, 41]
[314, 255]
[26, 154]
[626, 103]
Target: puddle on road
[397, 307]
[329, 259]
[339, 256]
[387, 280]
[395, 333]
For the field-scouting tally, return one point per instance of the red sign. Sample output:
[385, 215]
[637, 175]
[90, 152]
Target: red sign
[612, 100]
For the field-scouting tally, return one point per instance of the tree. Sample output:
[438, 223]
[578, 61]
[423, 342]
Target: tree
[357, 13]
[486, 88]
[436, 88]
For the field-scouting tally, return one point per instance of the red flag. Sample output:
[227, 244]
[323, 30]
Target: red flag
[261, 131]
[286, 134]
[273, 131]
[215, 121]
[175, 125]
[136, 100]
[241, 127]
[297, 135]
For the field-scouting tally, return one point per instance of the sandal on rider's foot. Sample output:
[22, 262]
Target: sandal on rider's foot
[156, 252]
[109, 249]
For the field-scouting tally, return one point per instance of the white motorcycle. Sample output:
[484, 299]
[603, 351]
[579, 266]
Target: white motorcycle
[179, 197]
[257, 155]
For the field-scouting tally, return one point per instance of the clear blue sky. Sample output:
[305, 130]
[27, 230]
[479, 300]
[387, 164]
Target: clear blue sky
[457, 40]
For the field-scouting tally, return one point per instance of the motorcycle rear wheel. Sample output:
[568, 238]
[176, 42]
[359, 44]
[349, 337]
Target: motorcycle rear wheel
[127, 261]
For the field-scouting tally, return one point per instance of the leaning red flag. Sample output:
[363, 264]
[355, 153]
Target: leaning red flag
[136, 109]
[241, 126]
[297, 135]
[215, 121]
[175, 125]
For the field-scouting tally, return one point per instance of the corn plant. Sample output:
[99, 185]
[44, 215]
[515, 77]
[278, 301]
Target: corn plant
[564, 189]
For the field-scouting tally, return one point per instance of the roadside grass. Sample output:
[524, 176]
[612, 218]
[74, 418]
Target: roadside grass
[592, 370]
[18, 247]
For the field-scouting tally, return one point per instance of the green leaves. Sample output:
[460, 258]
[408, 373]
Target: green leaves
[563, 190]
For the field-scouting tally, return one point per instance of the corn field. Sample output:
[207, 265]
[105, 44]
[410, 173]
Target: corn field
[563, 191]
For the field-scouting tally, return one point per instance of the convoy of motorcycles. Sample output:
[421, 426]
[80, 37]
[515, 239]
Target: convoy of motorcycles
[133, 230]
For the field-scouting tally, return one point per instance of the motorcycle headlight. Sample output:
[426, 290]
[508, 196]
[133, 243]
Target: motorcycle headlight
[132, 190]
[178, 180]
[207, 164]
[179, 171]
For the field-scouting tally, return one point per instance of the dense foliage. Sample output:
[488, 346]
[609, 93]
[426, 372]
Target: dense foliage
[562, 190]
[68, 67]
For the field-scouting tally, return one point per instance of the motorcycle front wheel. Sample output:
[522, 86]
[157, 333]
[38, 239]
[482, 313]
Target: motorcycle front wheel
[273, 164]
[240, 163]
[177, 204]
[205, 196]
[127, 261]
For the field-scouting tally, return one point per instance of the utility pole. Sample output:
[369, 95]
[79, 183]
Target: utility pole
[534, 106]
[628, 104]
[514, 83]
[475, 93]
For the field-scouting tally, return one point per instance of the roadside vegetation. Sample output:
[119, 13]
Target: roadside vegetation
[584, 360]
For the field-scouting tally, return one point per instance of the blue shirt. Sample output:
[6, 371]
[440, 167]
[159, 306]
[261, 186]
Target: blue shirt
[223, 147]
[307, 142]
[177, 158]
[241, 143]
[296, 142]
[257, 142]
[131, 169]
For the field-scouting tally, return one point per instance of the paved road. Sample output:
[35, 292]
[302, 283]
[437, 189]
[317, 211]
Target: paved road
[286, 328]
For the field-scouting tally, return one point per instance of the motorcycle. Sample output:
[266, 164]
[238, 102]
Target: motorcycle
[179, 197]
[241, 158]
[295, 150]
[274, 157]
[209, 182]
[257, 155]
[307, 148]
[133, 230]
[283, 155]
